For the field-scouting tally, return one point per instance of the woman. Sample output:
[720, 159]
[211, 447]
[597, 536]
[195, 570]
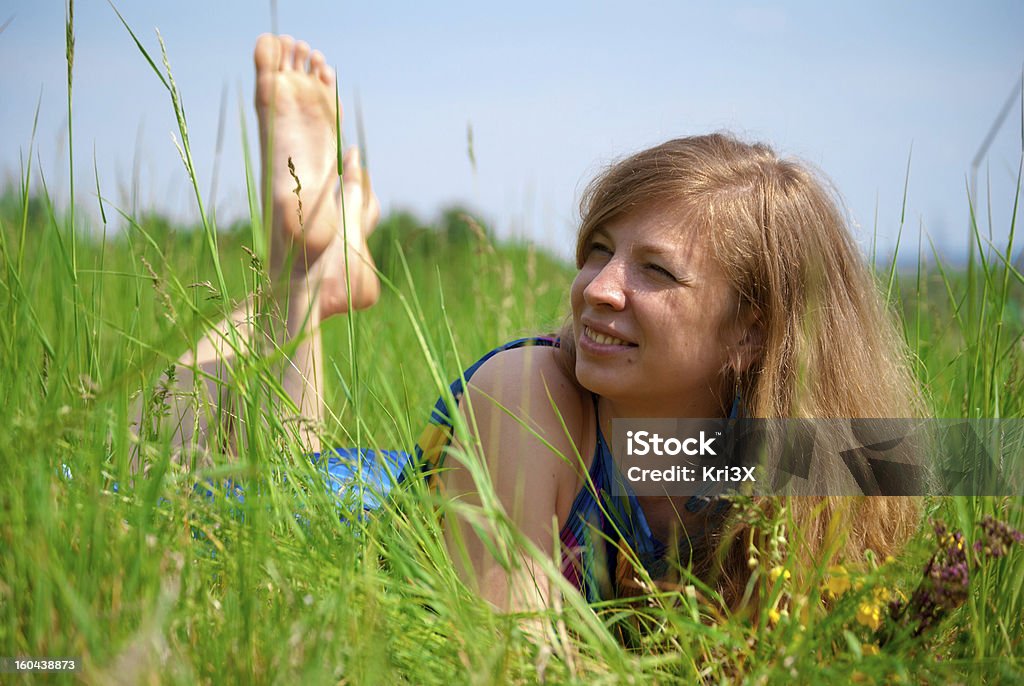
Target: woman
[713, 278]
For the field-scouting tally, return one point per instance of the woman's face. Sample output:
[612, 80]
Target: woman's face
[648, 308]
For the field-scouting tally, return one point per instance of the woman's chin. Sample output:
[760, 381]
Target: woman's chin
[602, 382]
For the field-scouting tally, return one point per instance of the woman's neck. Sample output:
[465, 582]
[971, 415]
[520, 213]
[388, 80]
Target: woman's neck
[708, 407]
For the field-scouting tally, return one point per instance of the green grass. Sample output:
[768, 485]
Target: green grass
[151, 583]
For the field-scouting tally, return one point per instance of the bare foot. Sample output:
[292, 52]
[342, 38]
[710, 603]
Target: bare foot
[298, 113]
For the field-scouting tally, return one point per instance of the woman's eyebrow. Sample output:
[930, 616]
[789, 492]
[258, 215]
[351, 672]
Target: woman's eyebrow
[662, 248]
[677, 263]
[657, 248]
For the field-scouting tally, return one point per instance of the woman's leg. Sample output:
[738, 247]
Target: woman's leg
[298, 113]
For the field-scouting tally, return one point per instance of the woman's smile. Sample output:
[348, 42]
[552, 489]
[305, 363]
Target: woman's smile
[599, 341]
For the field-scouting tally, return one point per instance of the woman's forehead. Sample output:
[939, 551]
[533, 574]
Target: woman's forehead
[655, 230]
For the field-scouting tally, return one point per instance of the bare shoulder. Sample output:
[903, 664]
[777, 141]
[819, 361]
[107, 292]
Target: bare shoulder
[526, 416]
[529, 386]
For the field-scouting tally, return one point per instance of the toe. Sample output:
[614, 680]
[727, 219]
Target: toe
[317, 61]
[267, 52]
[301, 55]
[287, 54]
[327, 75]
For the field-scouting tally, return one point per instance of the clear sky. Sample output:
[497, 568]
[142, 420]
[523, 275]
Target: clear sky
[552, 92]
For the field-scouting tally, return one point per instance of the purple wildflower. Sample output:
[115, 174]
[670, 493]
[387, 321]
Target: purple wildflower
[997, 537]
[947, 574]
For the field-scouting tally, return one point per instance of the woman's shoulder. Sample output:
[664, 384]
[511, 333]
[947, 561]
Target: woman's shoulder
[529, 368]
[530, 385]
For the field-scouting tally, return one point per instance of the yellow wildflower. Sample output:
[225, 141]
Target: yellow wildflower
[869, 649]
[774, 616]
[777, 572]
[870, 615]
[838, 581]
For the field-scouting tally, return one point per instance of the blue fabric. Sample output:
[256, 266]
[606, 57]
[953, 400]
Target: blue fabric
[380, 471]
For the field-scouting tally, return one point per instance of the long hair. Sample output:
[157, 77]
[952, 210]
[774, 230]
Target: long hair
[830, 348]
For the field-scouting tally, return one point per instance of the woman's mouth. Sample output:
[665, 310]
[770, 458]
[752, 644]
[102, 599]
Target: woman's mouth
[604, 339]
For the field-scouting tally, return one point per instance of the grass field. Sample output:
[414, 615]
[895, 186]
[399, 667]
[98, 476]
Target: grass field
[148, 583]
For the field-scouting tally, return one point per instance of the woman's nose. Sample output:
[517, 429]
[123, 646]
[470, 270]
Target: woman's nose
[608, 287]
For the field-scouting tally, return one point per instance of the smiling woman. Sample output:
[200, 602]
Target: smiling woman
[714, 280]
[733, 274]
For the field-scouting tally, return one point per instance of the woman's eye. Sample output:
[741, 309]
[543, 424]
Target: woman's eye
[662, 271]
[599, 248]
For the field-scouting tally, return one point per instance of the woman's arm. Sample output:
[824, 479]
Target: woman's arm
[530, 460]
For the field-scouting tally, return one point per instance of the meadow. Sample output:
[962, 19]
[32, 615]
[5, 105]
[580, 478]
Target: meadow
[156, 581]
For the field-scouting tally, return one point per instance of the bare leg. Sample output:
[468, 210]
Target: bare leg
[314, 268]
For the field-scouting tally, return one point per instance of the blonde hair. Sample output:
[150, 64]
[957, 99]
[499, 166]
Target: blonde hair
[829, 347]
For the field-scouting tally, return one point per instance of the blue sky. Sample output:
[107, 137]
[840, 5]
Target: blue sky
[552, 92]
